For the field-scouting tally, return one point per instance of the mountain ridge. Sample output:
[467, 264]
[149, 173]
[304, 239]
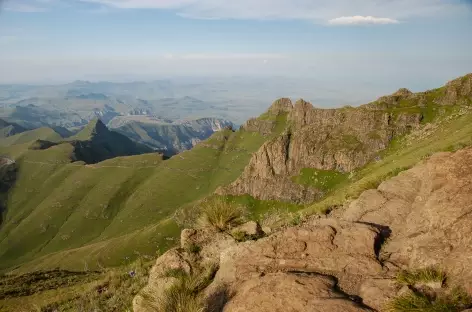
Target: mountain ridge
[123, 208]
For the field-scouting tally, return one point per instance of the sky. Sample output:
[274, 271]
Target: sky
[416, 43]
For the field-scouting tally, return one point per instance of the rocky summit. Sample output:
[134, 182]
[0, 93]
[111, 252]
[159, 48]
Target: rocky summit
[350, 260]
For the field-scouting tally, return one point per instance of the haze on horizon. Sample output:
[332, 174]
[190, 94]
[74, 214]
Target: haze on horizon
[413, 43]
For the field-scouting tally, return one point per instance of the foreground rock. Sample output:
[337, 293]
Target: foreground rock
[419, 219]
[279, 292]
[428, 211]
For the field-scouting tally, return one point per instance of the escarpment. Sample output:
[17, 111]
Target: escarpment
[325, 139]
[339, 140]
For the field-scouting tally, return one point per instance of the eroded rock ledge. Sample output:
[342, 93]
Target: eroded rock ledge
[347, 261]
[325, 139]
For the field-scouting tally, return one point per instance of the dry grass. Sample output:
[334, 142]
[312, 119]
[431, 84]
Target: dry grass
[220, 215]
[455, 301]
[185, 294]
[426, 275]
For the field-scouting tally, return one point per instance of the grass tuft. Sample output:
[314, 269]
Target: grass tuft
[184, 295]
[426, 275]
[457, 300]
[220, 215]
[193, 248]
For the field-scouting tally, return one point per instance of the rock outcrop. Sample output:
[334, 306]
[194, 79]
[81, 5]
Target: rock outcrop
[348, 261]
[428, 210]
[334, 139]
[325, 139]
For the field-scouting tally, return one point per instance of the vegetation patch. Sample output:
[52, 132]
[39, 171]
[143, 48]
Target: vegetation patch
[32, 283]
[63, 291]
[241, 236]
[185, 294]
[455, 301]
[220, 215]
[426, 275]
[324, 180]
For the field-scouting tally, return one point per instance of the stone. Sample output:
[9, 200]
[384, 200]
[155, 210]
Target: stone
[250, 228]
[186, 237]
[280, 292]
[377, 292]
[341, 249]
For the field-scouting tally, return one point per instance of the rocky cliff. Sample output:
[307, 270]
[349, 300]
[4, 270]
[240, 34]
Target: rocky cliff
[326, 139]
[339, 140]
[360, 258]
[170, 137]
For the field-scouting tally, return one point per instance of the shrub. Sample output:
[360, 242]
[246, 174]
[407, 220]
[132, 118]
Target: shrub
[193, 248]
[239, 236]
[220, 215]
[296, 219]
[422, 275]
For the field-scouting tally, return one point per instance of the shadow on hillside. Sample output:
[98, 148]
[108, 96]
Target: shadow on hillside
[8, 174]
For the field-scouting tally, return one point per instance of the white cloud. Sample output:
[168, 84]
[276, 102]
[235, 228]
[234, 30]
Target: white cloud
[320, 11]
[362, 20]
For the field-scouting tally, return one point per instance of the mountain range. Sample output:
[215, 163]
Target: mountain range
[100, 199]
[82, 206]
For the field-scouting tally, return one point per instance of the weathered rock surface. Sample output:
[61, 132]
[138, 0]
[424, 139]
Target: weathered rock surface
[250, 228]
[341, 249]
[428, 210]
[280, 292]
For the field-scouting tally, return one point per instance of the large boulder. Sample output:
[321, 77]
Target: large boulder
[428, 211]
[341, 249]
[280, 292]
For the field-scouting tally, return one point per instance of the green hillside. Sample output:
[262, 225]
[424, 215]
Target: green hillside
[8, 129]
[77, 215]
[28, 136]
[169, 137]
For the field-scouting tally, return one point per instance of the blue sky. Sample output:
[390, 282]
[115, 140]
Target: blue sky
[418, 42]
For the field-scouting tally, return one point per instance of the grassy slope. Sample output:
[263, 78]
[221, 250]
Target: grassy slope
[28, 136]
[77, 215]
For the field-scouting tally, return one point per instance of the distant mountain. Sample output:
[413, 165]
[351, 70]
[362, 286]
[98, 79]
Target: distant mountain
[8, 129]
[33, 116]
[96, 143]
[170, 137]
[43, 133]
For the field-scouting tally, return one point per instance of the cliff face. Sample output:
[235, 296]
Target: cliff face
[339, 140]
[325, 139]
